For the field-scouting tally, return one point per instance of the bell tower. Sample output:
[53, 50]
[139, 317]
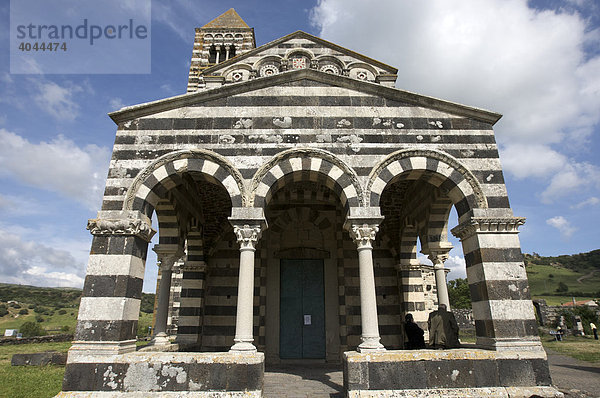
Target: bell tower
[219, 40]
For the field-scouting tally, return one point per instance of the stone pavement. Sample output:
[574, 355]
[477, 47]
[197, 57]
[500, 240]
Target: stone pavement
[302, 381]
[577, 379]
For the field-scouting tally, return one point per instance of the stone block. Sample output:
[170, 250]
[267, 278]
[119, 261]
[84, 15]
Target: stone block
[39, 359]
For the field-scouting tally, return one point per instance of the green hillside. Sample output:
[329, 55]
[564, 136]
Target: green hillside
[54, 309]
[560, 278]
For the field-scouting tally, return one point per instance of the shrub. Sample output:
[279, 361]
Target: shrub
[38, 318]
[62, 312]
[24, 311]
[65, 329]
[3, 310]
[32, 329]
[562, 287]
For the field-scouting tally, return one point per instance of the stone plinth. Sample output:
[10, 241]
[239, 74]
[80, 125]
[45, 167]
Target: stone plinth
[453, 373]
[160, 373]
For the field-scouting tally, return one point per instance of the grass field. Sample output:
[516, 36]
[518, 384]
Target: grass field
[544, 279]
[583, 348]
[30, 381]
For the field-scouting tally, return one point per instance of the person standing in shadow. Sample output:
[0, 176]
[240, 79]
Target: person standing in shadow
[414, 334]
[443, 329]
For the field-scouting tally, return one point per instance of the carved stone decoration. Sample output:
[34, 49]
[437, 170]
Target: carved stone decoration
[268, 70]
[247, 235]
[330, 68]
[166, 257]
[363, 235]
[502, 225]
[121, 226]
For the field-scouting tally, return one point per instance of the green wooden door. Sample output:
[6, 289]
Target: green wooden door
[302, 310]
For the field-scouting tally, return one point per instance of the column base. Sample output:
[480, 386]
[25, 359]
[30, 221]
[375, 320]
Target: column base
[242, 346]
[99, 348]
[161, 342]
[498, 344]
[370, 344]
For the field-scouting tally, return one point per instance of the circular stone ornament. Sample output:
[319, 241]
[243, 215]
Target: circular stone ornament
[237, 76]
[361, 75]
[330, 68]
[269, 70]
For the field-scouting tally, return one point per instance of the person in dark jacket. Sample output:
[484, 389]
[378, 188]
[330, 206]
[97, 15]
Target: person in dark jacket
[443, 330]
[414, 334]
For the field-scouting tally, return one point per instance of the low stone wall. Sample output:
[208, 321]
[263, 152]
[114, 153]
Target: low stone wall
[464, 318]
[549, 315]
[53, 338]
[39, 359]
[460, 372]
[145, 372]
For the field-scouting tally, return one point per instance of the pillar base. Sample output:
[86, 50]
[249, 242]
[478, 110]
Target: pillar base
[100, 348]
[242, 346]
[370, 344]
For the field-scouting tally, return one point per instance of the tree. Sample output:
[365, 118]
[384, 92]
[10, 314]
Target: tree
[3, 310]
[459, 294]
[23, 311]
[32, 329]
[562, 287]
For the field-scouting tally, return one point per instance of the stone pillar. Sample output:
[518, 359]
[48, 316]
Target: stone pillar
[248, 224]
[438, 254]
[502, 307]
[362, 231]
[109, 309]
[166, 257]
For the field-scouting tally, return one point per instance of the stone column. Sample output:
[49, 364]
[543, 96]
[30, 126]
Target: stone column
[438, 254]
[166, 258]
[247, 237]
[110, 305]
[363, 224]
[502, 307]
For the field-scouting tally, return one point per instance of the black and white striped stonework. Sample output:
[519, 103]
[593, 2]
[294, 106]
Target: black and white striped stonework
[112, 291]
[498, 284]
[191, 302]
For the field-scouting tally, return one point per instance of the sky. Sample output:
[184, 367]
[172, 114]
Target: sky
[535, 62]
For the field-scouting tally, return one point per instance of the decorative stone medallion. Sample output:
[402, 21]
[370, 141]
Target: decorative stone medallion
[237, 76]
[299, 63]
[269, 70]
[330, 68]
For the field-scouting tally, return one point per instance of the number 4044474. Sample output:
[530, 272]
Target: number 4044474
[43, 46]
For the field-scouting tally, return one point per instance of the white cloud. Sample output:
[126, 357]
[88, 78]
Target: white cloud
[56, 100]
[593, 201]
[563, 225]
[570, 179]
[59, 166]
[33, 263]
[528, 64]
[116, 103]
[457, 266]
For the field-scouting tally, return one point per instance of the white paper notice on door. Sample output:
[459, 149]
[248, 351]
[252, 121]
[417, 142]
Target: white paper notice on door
[307, 320]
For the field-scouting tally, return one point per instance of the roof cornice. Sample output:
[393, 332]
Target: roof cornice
[179, 101]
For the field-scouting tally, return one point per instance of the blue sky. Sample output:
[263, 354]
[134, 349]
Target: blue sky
[537, 63]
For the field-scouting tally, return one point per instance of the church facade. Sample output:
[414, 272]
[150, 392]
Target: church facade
[292, 186]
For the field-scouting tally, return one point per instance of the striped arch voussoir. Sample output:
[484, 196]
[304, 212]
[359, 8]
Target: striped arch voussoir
[311, 164]
[444, 171]
[165, 172]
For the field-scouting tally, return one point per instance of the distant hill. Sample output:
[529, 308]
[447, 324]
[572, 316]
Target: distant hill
[54, 308]
[576, 275]
[582, 262]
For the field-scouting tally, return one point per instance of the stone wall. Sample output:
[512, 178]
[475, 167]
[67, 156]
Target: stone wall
[464, 318]
[38, 339]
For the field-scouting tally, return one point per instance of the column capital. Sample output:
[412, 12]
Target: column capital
[438, 252]
[363, 234]
[167, 255]
[495, 225]
[121, 223]
[247, 235]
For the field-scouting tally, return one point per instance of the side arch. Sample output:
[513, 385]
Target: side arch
[444, 171]
[158, 177]
[316, 165]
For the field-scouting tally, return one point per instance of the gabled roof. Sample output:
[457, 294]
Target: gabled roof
[300, 35]
[179, 101]
[229, 19]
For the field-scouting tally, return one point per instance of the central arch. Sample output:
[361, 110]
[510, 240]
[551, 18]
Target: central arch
[314, 165]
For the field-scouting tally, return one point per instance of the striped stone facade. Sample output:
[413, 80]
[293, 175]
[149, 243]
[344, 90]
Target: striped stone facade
[314, 142]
